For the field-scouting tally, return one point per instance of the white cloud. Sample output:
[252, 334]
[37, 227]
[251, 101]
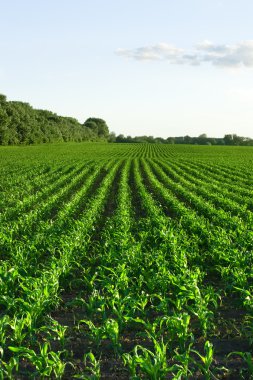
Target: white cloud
[160, 51]
[237, 55]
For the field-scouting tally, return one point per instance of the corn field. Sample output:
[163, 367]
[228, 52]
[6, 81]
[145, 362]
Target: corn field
[126, 261]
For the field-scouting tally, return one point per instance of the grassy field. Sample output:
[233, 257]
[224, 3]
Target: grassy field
[129, 261]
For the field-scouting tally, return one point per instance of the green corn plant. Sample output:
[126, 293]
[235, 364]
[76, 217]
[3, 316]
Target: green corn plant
[152, 364]
[121, 309]
[97, 334]
[95, 303]
[191, 293]
[58, 365]
[46, 362]
[206, 360]
[20, 327]
[247, 297]
[130, 362]
[92, 366]
[41, 293]
[142, 302]
[178, 329]
[9, 369]
[58, 329]
[182, 369]
[4, 322]
[111, 328]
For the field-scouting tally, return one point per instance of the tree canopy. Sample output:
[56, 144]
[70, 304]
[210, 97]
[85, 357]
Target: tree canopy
[98, 126]
[202, 139]
[20, 123]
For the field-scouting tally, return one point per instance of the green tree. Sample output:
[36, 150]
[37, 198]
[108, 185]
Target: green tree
[3, 127]
[229, 139]
[112, 137]
[2, 99]
[21, 124]
[98, 126]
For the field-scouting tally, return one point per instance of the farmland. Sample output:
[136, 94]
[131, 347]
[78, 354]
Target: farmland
[126, 261]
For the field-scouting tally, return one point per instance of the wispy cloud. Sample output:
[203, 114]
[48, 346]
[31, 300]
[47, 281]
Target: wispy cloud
[237, 55]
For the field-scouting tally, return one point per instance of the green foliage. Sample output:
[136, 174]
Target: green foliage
[130, 261]
[206, 360]
[202, 139]
[22, 124]
[98, 127]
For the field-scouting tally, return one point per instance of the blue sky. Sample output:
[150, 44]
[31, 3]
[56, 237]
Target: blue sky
[154, 67]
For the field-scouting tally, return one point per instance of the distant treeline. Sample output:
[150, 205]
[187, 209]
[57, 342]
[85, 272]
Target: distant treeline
[20, 123]
[230, 139]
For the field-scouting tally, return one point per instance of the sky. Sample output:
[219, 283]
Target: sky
[147, 67]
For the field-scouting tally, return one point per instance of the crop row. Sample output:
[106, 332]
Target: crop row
[137, 255]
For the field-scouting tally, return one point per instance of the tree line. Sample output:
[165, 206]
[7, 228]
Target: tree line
[20, 123]
[229, 139]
